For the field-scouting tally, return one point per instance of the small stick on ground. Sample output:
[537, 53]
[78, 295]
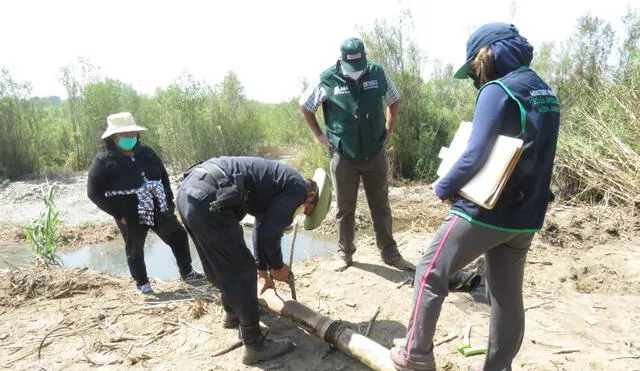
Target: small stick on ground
[567, 351]
[408, 280]
[373, 318]
[61, 293]
[194, 327]
[451, 336]
[538, 305]
[159, 335]
[171, 306]
[46, 336]
[624, 357]
[98, 364]
[25, 355]
[228, 348]
[128, 352]
[232, 346]
[539, 262]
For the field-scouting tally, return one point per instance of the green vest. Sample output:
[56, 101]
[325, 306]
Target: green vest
[354, 112]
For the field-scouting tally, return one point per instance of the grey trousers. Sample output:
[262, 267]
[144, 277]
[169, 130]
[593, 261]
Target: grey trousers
[374, 172]
[456, 244]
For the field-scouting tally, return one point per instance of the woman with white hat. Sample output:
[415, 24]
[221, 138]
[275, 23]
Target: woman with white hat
[128, 181]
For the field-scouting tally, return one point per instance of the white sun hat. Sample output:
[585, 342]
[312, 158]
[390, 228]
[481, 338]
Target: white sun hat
[121, 123]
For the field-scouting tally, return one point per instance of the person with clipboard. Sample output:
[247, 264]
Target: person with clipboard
[513, 101]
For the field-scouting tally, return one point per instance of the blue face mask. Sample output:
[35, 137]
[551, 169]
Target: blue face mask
[126, 143]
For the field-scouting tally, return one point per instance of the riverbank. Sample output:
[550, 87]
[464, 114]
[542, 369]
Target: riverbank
[582, 296]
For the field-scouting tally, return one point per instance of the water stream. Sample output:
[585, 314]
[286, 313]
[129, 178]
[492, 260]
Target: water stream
[110, 256]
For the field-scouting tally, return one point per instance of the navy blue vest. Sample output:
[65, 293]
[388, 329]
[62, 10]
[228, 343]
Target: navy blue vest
[535, 119]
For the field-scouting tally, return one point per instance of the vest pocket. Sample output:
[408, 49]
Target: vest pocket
[196, 194]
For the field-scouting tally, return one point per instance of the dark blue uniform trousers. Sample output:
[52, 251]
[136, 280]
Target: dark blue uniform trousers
[219, 240]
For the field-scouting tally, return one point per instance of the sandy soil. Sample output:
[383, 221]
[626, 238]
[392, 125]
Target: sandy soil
[582, 294]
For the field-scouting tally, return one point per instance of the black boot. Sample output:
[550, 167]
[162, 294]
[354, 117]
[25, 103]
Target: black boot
[230, 320]
[394, 259]
[258, 348]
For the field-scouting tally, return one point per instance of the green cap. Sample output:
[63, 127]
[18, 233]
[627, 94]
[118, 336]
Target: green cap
[324, 200]
[352, 55]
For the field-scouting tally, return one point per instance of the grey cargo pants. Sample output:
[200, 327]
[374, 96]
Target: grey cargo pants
[374, 173]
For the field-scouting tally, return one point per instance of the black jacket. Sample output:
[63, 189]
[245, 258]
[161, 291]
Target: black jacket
[275, 191]
[111, 170]
[265, 180]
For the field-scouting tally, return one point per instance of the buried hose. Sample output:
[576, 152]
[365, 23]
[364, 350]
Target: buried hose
[348, 341]
[331, 335]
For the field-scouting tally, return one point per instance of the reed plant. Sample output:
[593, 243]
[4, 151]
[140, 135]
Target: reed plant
[44, 233]
[598, 157]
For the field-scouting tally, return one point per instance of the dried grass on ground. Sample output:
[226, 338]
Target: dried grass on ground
[46, 282]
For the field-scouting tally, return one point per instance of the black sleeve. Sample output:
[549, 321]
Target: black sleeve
[268, 234]
[165, 177]
[96, 188]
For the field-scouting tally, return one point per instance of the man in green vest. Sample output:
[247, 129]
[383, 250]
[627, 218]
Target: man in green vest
[351, 94]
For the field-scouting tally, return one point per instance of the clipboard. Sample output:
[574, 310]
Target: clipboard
[485, 187]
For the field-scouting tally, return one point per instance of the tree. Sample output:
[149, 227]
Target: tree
[19, 119]
[591, 48]
[630, 49]
[75, 76]
[390, 46]
[428, 112]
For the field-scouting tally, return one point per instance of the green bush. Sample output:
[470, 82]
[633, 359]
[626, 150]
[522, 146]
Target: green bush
[191, 121]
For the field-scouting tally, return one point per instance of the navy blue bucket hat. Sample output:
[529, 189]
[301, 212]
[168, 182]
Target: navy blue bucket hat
[483, 36]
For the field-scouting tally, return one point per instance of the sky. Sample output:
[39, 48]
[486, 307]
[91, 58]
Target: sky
[272, 45]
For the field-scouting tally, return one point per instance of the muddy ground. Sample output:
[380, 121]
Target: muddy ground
[582, 295]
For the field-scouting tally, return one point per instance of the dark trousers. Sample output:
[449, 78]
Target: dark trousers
[226, 260]
[346, 179]
[170, 232]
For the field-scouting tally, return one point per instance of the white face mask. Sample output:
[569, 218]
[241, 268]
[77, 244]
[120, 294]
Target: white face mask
[355, 75]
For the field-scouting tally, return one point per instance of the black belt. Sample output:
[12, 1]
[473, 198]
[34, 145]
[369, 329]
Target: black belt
[231, 193]
[218, 175]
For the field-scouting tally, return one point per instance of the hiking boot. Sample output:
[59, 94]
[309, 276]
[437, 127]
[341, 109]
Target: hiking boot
[145, 289]
[400, 362]
[265, 350]
[230, 320]
[258, 348]
[192, 276]
[396, 260]
[342, 261]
